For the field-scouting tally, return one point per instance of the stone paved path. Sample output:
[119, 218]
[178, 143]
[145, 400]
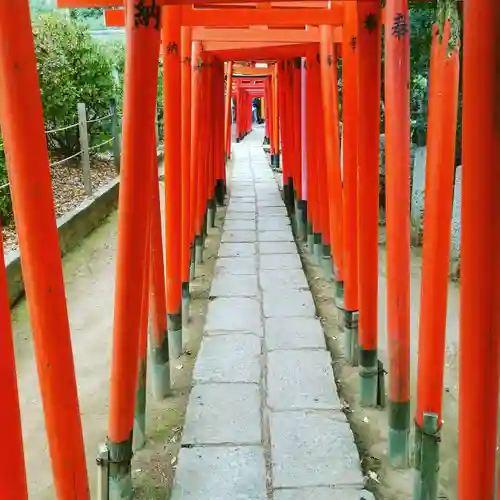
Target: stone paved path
[264, 420]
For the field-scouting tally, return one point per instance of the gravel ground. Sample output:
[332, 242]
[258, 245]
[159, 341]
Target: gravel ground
[67, 184]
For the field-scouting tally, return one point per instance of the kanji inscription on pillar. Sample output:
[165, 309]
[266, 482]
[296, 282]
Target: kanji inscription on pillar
[144, 14]
[371, 22]
[400, 26]
[172, 48]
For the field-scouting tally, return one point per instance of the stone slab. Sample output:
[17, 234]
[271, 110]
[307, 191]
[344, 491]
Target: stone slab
[242, 190]
[270, 189]
[273, 223]
[238, 236]
[222, 414]
[272, 210]
[313, 449]
[236, 265]
[284, 235]
[271, 197]
[236, 314]
[233, 285]
[237, 249]
[278, 202]
[323, 494]
[287, 261]
[242, 197]
[300, 380]
[240, 225]
[285, 303]
[240, 215]
[292, 279]
[241, 207]
[294, 333]
[229, 358]
[220, 473]
[277, 247]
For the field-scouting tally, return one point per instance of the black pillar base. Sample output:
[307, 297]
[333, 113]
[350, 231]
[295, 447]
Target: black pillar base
[237, 139]
[286, 194]
[220, 189]
[275, 161]
[291, 191]
[302, 204]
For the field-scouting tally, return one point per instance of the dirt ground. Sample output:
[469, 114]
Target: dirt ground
[68, 190]
[370, 426]
[89, 272]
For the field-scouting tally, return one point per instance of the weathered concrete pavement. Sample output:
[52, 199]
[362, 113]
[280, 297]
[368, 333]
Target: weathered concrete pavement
[264, 419]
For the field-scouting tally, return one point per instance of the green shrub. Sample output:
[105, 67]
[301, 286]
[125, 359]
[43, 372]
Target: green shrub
[116, 53]
[5, 202]
[72, 68]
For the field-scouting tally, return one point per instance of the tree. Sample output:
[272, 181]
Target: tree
[93, 17]
[422, 17]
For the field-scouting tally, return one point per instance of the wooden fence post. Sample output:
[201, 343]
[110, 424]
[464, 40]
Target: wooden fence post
[84, 144]
[115, 131]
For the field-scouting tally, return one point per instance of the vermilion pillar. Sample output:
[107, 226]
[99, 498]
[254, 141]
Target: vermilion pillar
[211, 125]
[310, 150]
[239, 110]
[369, 86]
[203, 146]
[350, 178]
[220, 158]
[186, 236]
[160, 366]
[21, 119]
[269, 114]
[196, 97]
[196, 152]
[275, 140]
[300, 206]
[139, 433]
[13, 484]
[332, 148]
[480, 259]
[141, 77]
[321, 228]
[397, 124]
[285, 110]
[171, 38]
[265, 110]
[227, 109]
[443, 106]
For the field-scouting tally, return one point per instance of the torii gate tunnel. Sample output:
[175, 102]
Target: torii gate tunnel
[210, 52]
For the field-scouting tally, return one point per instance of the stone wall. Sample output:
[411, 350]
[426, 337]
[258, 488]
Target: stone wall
[417, 196]
[455, 224]
[73, 228]
[417, 210]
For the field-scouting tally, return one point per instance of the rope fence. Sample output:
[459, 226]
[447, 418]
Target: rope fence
[85, 149]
